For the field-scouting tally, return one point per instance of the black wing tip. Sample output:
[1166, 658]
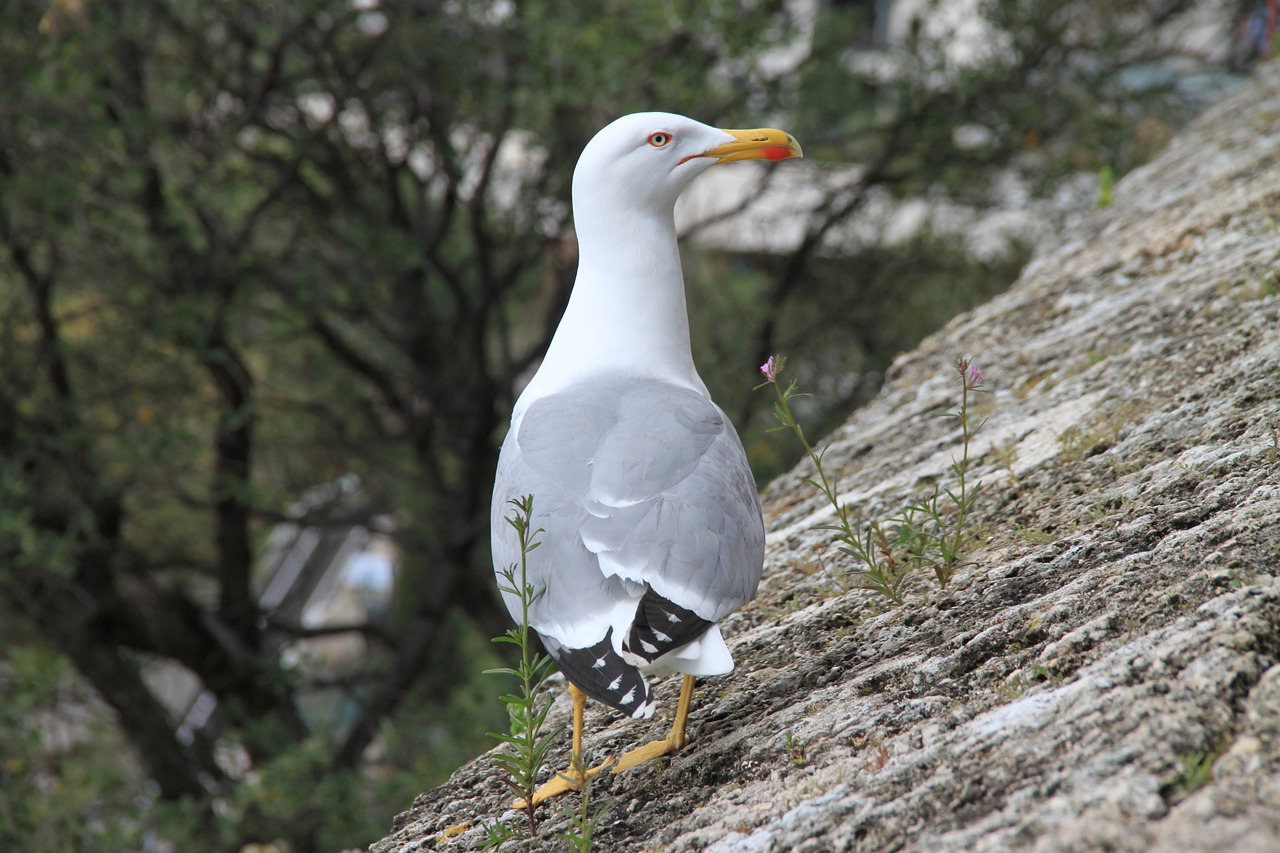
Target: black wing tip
[605, 676]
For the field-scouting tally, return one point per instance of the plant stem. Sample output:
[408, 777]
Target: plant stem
[526, 736]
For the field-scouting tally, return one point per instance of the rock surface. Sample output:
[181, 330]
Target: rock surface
[1102, 676]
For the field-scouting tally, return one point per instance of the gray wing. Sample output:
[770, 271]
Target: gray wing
[637, 484]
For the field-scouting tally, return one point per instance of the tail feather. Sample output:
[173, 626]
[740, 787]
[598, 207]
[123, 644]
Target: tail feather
[661, 626]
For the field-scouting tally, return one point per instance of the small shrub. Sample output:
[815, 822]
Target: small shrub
[931, 533]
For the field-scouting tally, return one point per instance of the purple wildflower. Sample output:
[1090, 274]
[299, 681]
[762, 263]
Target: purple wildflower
[770, 368]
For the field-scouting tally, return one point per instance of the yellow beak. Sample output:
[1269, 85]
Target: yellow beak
[763, 143]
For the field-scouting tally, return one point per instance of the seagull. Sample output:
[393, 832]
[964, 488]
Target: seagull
[649, 518]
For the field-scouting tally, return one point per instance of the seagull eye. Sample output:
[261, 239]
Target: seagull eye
[659, 139]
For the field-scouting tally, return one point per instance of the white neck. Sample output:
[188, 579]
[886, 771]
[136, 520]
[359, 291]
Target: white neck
[627, 312]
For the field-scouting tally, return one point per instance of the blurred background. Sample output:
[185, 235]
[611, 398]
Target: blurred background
[273, 273]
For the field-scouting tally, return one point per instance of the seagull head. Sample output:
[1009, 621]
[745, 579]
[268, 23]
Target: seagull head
[647, 159]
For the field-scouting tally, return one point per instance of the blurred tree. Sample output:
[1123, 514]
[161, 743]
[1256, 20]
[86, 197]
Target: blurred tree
[250, 247]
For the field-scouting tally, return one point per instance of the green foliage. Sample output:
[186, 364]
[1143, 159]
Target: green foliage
[928, 533]
[526, 710]
[67, 782]
[62, 795]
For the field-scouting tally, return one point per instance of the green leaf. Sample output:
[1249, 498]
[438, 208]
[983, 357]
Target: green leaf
[502, 670]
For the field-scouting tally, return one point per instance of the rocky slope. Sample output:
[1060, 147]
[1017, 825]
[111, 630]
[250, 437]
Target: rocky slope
[1103, 675]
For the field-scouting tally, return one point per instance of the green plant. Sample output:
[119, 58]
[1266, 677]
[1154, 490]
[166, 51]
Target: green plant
[1044, 673]
[1106, 186]
[527, 715]
[796, 750]
[943, 550]
[1196, 771]
[1239, 579]
[870, 546]
[929, 533]
[1033, 536]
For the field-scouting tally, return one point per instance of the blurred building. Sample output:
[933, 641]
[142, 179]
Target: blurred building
[331, 567]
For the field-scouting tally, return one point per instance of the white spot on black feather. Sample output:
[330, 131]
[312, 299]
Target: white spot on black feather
[599, 664]
[661, 636]
[616, 683]
[629, 697]
[648, 646]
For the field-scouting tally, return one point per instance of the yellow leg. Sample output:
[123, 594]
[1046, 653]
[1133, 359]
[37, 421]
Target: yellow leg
[673, 742]
[568, 780]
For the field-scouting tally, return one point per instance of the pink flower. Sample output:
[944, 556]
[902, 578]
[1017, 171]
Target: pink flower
[969, 372]
[770, 368]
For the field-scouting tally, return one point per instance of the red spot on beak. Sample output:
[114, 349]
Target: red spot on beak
[777, 153]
